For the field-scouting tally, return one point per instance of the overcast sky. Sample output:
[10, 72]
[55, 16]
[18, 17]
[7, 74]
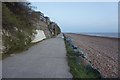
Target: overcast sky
[79, 17]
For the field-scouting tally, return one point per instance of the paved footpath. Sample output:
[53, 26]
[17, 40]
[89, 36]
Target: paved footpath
[46, 59]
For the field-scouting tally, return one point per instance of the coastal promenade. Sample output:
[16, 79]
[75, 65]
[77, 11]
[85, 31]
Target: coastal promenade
[46, 59]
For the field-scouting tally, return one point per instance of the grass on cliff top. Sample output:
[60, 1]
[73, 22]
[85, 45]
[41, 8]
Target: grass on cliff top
[78, 70]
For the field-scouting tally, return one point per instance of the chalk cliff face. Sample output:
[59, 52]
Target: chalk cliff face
[21, 26]
[43, 23]
[40, 35]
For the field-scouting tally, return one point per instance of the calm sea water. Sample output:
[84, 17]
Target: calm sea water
[114, 35]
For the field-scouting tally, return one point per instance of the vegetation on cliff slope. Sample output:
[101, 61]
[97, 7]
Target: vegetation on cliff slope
[17, 26]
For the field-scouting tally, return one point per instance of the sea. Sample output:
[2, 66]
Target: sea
[112, 35]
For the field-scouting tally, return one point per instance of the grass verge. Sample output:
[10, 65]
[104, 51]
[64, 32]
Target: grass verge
[79, 70]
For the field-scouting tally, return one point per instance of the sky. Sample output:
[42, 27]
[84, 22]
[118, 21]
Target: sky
[82, 17]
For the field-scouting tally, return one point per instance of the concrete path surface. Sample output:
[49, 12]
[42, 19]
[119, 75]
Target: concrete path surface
[46, 59]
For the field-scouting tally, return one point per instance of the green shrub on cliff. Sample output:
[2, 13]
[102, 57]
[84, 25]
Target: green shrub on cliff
[58, 30]
[16, 27]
